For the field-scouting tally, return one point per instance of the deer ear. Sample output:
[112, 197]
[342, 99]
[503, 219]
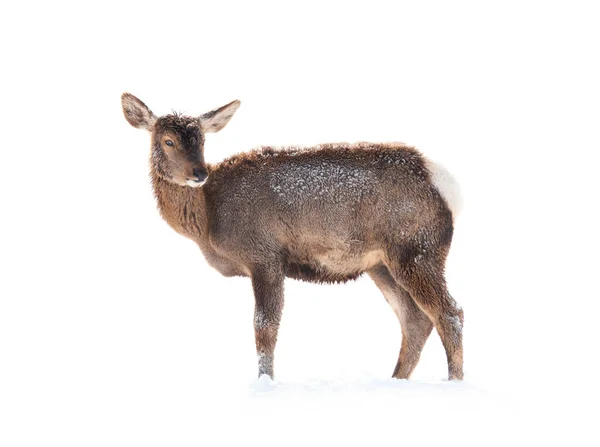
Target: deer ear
[137, 113]
[215, 120]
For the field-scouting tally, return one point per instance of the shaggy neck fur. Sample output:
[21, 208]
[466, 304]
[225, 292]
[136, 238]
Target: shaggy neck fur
[183, 207]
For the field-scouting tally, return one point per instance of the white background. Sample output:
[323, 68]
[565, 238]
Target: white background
[113, 329]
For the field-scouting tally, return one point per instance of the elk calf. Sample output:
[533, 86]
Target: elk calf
[323, 214]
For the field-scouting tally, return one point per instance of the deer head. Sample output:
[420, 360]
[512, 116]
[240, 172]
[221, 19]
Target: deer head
[177, 140]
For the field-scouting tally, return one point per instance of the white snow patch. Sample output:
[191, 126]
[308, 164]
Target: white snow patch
[263, 384]
[372, 410]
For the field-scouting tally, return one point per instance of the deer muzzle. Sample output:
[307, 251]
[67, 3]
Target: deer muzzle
[198, 177]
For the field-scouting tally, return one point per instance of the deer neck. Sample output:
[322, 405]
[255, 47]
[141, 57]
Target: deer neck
[182, 207]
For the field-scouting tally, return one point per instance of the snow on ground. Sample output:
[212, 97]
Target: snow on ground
[114, 331]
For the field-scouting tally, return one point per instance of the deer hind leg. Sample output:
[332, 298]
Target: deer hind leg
[267, 283]
[423, 278]
[416, 325]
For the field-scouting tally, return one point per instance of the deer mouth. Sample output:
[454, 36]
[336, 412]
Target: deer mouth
[197, 178]
[195, 183]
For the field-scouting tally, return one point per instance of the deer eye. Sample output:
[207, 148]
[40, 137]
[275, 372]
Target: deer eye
[169, 143]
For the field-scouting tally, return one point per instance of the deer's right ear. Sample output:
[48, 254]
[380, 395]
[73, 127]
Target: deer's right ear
[137, 113]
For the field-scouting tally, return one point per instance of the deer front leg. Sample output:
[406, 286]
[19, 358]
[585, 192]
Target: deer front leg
[267, 283]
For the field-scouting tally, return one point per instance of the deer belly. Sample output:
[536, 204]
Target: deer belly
[332, 266]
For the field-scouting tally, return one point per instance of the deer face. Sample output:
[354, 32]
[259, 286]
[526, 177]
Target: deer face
[178, 150]
[177, 140]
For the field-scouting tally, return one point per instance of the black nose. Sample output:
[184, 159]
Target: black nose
[200, 174]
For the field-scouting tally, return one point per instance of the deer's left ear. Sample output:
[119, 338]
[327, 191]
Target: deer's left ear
[215, 120]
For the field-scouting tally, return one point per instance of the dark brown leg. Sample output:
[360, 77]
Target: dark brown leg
[416, 326]
[267, 284]
[424, 280]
